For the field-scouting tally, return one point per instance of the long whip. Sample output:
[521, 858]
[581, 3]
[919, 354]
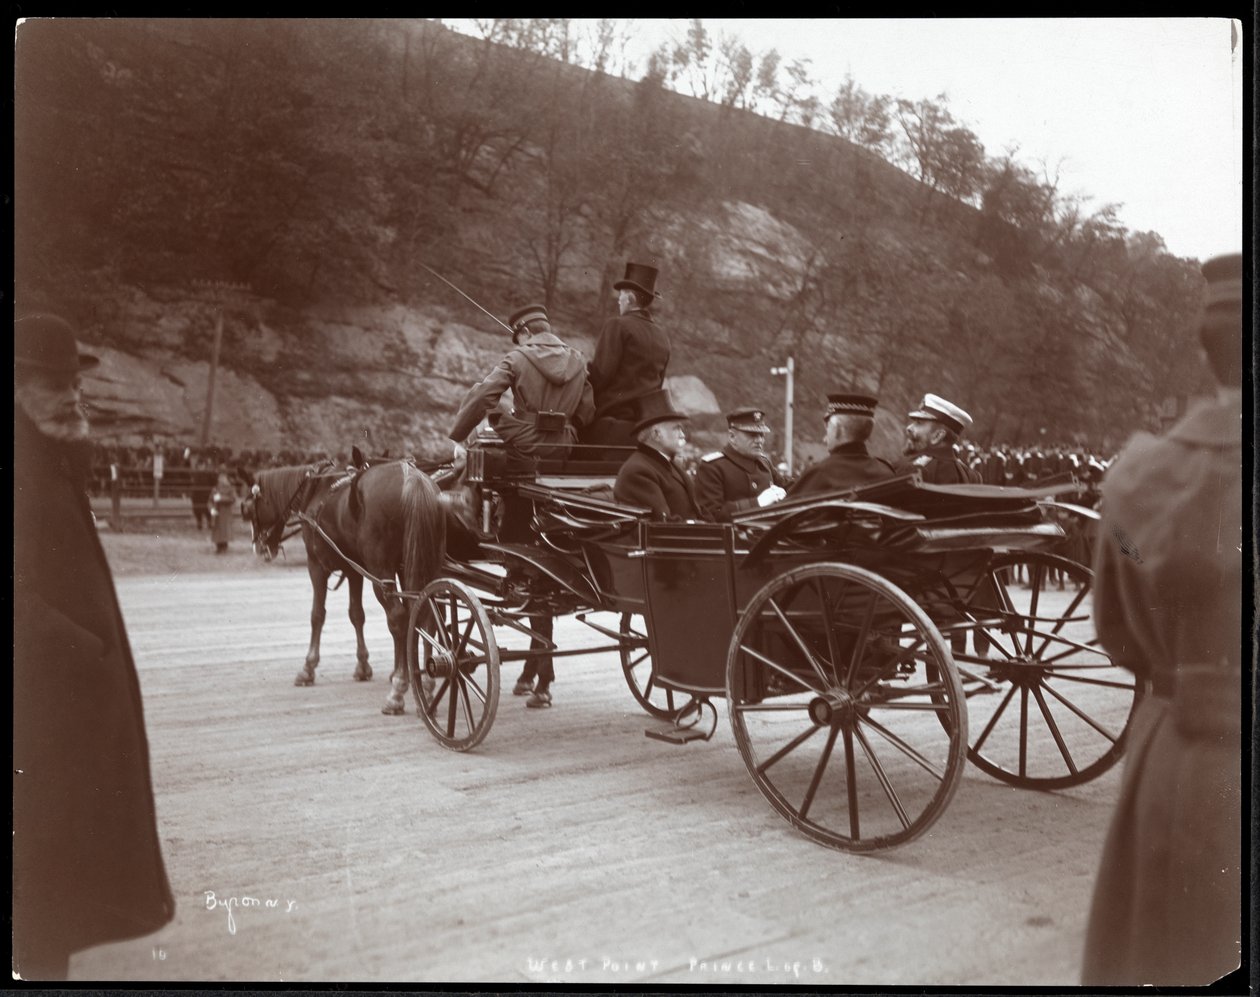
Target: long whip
[467, 297]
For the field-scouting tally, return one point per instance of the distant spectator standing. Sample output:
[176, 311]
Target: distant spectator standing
[222, 502]
[87, 861]
[631, 356]
[1167, 905]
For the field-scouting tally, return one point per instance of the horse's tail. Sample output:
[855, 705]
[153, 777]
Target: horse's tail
[424, 529]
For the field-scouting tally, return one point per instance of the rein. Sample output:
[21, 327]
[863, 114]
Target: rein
[274, 536]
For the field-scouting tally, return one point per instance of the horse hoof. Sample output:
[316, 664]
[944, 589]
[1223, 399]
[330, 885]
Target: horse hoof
[363, 676]
[393, 709]
[304, 679]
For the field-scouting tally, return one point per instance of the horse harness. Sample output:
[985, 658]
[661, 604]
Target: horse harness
[275, 534]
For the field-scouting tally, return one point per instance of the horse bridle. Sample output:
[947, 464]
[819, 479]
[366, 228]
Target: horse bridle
[274, 535]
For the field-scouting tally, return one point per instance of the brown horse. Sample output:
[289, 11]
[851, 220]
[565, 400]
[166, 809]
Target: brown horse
[386, 523]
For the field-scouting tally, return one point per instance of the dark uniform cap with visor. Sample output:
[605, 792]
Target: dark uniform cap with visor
[748, 420]
[850, 404]
[522, 316]
[47, 342]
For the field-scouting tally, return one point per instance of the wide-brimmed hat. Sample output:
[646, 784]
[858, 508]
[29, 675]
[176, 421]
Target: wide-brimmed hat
[748, 420]
[523, 316]
[639, 277]
[47, 342]
[850, 404]
[948, 414]
[654, 408]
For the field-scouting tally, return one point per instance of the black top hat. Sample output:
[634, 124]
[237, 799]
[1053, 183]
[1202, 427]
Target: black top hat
[846, 404]
[47, 342]
[748, 420]
[529, 313]
[639, 277]
[653, 408]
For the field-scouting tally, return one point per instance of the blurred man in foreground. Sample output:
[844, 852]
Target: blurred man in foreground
[1167, 905]
[87, 864]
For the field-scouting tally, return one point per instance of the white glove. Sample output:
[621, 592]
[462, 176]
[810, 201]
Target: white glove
[771, 494]
[461, 455]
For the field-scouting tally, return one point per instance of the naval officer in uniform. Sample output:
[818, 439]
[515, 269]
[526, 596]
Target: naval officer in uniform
[740, 475]
[933, 430]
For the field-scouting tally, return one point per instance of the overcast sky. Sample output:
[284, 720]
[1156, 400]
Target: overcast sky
[1146, 112]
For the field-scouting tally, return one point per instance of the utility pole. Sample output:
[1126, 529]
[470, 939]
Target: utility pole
[788, 372]
[218, 290]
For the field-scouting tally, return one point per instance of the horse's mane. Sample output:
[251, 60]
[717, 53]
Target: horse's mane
[277, 487]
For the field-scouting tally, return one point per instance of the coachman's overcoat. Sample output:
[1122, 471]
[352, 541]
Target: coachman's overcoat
[649, 478]
[1167, 604]
[87, 864]
[631, 355]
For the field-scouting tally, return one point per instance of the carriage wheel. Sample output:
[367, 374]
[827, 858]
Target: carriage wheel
[1048, 707]
[846, 707]
[453, 664]
[640, 672]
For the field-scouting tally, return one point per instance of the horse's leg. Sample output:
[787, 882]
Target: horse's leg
[397, 614]
[362, 671]
[319, 596]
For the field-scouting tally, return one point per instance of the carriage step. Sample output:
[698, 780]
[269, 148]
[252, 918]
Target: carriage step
[675, 735]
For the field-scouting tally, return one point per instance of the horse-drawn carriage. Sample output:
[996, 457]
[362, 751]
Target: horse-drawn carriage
[866, 643]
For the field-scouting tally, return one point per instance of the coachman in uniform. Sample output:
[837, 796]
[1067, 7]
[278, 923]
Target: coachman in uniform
[740, 475]
[550, 394]
[630, 360]
[934, 429]
[1168, 605]
[649, 477]
[849, 421]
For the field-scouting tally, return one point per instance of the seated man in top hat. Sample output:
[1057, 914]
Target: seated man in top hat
[649, 476]
[740, 475]
[849, 421]
[934, 429]
[550, 391]
[630, 360]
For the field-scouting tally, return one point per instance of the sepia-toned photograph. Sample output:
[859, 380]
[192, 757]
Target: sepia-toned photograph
[550, 503]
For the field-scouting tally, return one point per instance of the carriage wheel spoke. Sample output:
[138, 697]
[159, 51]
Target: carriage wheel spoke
[754, 653]
[997, 715]
[463, 638]
[466, 704]
[1054, 729]
[860, 645]
[800, 643]
[1064, 618]
[770, 707]
[792, 745]
[1109, 735]
[833, 650]
[1038, 575]
[906, 749]
[819, 769]
[438, 693]
[452, 706]
[850, 782]
[882, 776]
[1023, 732]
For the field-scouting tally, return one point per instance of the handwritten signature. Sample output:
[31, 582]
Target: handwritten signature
[239, 903]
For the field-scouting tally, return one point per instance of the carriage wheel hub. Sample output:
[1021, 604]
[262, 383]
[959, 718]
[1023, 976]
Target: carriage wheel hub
[441, 662]
[835, 707]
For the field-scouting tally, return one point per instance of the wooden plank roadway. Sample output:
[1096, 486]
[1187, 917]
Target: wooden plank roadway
[567, 849]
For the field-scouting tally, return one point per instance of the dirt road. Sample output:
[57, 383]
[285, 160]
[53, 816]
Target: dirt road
[310, 838]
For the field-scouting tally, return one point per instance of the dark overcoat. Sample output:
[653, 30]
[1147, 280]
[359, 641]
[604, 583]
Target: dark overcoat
[847, 465]
[631, 355]
[649, 478]
[87, 863]
[222, 507]
[728, 482]
[940, 466]
[1167, 603]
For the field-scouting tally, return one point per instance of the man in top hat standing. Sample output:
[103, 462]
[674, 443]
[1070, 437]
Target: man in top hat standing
[630, 359]
[550, 392]
[849, 421]
[740, 475]
[931, 434]
[1168, 570]
[649, 476]
[87, 860]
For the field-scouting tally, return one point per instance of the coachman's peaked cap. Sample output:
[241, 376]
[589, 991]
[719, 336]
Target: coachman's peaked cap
[656, 407]
[527, 314]
[639, 277]
[47, 342]
[848, 404]
[937, 409]
[748, 420]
